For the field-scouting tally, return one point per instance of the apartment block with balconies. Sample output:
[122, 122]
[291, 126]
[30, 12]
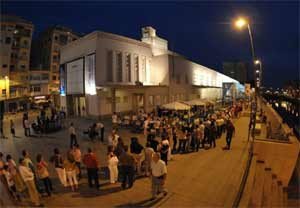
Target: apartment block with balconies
[15, 40]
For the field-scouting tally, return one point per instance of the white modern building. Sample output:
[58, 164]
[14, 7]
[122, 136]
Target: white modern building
[106, 73]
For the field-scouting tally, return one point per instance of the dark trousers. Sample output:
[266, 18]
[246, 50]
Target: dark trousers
[48, 185]
[228, 140]
[212, 142]
[198, 142]
[128, 176]
[102, 135]
[182, 145]
[93, 176]
[27, 132]
[73, 140]
[174, 144]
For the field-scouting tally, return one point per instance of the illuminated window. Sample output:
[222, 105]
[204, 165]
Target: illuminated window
[119, 67]
[157, 100]
[125, 99]
[109, 64]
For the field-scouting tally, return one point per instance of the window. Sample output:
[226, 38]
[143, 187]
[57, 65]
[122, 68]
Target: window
[63, 39]
[12, 67]
[54, 77]
[128, 67]
[23, 67]
[119, 67]
[74, 39]
[54, 67]
[7, 40]
[4, 65]
[150, 101]
[55, 58]
[109, 64]
[118, 99]
[178, 79]
[136, 68]
[45, 77]
[157, 100]
[35, 88]
[55, 37]
[25, 43]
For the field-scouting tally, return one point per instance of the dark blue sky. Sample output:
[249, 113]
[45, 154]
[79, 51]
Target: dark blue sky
[201, 31]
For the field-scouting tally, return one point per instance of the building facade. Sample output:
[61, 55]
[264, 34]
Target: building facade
[16, 36]
[45, 56]
[103, 73]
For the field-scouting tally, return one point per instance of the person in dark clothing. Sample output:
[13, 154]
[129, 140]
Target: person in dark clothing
[174, 139]
[212, 134]
[127, 165]
[230, 130]
[91, 162]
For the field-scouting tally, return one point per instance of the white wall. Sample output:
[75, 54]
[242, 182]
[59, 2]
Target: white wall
[116, 43]
[159, 72]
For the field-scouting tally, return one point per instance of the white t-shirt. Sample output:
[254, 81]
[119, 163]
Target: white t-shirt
[113, 140]
[159, 168]
[9, 178]
[113, 161]
[114, 118]
[72, 130]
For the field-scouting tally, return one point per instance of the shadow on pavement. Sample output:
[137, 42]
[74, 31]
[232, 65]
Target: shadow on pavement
[143, 203]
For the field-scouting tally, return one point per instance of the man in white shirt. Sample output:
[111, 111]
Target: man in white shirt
[113, 139]
[72, 133]
[28, 177]
[159, 176]
[114, 119]
[27, 127]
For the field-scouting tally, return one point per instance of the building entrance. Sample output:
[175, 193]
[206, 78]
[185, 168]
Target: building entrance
[76, 105]
[138, 101]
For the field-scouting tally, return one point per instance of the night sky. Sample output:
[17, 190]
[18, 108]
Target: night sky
[201, 31]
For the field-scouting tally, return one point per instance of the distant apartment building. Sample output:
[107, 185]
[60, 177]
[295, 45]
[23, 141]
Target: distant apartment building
[45, 58]
[236, 70]
[15, 40]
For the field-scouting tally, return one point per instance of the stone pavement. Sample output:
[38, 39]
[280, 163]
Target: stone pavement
[209, 178]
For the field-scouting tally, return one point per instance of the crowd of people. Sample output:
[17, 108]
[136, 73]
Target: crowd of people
[165, 133]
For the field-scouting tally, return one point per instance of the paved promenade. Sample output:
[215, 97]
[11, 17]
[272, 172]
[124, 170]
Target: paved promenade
[209, 178]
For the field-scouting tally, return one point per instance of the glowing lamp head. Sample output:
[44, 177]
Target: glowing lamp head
[6, 77]
[240, 23]
[257, 61]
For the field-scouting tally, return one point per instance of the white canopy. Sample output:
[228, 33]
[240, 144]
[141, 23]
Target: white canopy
[176, 106]
[196, 102]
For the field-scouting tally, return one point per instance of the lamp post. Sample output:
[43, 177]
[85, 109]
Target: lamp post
[241, 23]
[258, 73]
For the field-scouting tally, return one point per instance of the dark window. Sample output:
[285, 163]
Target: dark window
[53, 77]
[109, 64]
[74, 39]
[55, 37]
[4, 65]
[7, 40]
[23, 66]
[12, 67]
[63, 39]
[25, 42]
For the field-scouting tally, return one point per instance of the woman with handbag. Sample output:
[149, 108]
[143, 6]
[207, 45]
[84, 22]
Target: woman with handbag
[43, 174]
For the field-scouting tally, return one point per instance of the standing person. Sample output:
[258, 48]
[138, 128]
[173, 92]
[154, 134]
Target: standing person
[174, 137]
[26, 127]
[28, 178]
[201, 132]
[230, 130]
[12, 168]
[100, 130]
[10, 183]
[1, 128]
[148, 158]
[12, 128]
[114, 119]
[212, 134]
[269, 130]
[136, 150]
[159, 176]
[113, 139]
[43, 173]
[164, 150]
[91, 162]
[127, 163]
[72, 134]
[59, 167]
[77, 157]
[113, 161]
[70, 166]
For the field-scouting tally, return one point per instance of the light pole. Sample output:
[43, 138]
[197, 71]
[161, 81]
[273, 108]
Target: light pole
[241, 23]
[258, 73]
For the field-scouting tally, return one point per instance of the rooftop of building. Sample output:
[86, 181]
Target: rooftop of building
[14, 19]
